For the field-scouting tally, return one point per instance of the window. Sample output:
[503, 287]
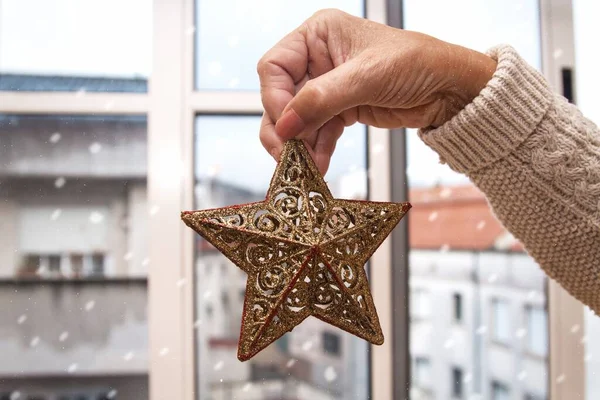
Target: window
[230, 40]
[457, 383]
[500, 391]
[537, 327]
[220, 181]
[458, 307]
[421, 374]
[530, 396]
[73, 208]
[452, 232]
[420, 305]
[61, 45]
[331, 343]
[501, 321]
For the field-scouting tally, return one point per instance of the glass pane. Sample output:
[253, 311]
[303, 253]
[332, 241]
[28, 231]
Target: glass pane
[232, 36]
[459, 249]
[73, 257]
[587, 59]
[80, 46]
[316, 360]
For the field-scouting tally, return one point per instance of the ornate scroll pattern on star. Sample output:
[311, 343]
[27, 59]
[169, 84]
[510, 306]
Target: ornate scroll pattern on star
[304, 253]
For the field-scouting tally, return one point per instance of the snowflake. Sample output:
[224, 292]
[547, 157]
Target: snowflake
[95, 148]
[330, 374]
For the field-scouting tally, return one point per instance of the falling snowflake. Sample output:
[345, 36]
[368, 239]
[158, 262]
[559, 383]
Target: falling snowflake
[128, 356]
[89, 306]
[448, 344]
[145, 262]
[306, 346]
[233, 41]
[445, 193]
[330, 374]
[96, 217]
[154, 210]
[531, 295]
[522, 375]
[109, 105]
[378, 148]
[55, 137]
[128, 256]
[290, 363]
[520, 333]
[492, 278]
[557, 53]
[164, 351]
[481, 330]
[22, 319]
[63, 336]
[34, 341]
[72, 368]
[95, 148]
[180, 282]
[190, 31]
[480, 225]
[219, 366]
[197, 323]
[15, 395]
[468, 377]
[561, 378]
[588, 357]
[234, 82]
[60, 182]
[214, 68]
[445, 248]
[575, 328]
[247, 387]
[112, 394]
[583, 339]
[81, 92]
[55, 214]
[207, 294]
[433, 216]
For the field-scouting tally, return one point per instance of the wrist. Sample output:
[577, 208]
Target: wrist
[469, 72]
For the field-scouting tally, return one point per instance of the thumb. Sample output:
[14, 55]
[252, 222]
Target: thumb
[322, 98]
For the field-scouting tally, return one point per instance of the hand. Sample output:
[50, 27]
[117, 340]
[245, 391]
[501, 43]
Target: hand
[337, 69]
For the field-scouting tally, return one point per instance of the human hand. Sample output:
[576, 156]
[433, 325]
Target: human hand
[337, 69]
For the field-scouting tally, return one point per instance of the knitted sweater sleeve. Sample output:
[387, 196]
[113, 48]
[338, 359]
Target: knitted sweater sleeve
[537, 159]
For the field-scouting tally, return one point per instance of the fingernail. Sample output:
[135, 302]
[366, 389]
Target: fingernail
[289, 125]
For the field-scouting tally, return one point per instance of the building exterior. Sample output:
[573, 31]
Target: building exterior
[478, 312]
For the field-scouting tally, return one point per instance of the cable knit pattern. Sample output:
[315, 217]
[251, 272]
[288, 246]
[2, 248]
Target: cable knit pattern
[537, 159]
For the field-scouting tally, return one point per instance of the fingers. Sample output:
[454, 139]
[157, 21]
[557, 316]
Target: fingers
[269, 139]
[321, 99]
[280, 70]
[326, 141]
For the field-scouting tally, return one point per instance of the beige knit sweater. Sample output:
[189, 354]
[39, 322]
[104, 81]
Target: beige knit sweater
[537, 159]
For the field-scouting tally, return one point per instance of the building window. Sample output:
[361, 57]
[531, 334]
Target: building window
[458, 308]
[457, 383]
[501, 320]
[537, 325]
[500, 391]
[331, 343]
[97, 264]
[530, 396]
[420, 305]
[421, 376]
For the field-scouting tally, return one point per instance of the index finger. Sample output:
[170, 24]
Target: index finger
[280, 70]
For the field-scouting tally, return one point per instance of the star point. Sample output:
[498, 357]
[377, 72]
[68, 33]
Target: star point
[304, 253]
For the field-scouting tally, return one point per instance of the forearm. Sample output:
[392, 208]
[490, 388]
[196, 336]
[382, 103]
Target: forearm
[537, 159]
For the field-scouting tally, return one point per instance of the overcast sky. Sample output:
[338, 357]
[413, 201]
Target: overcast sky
[113, 38]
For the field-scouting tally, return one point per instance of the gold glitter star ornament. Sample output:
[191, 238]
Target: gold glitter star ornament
[304, 253]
